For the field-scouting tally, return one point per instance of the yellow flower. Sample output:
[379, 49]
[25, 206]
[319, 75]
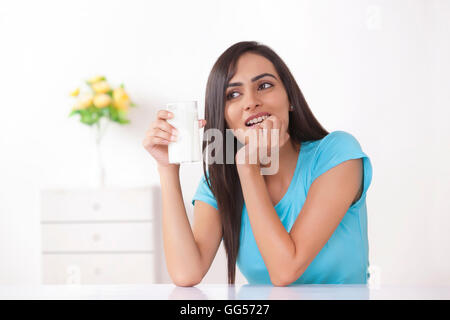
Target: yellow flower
[121, 99]
[83, 102]
[75, 92]
[102, 100]
[96, 79]
[101, 87]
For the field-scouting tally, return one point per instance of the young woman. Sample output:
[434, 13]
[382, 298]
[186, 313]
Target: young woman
[306, 223]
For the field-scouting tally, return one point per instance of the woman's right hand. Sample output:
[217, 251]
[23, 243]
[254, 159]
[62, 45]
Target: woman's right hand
[159, 135]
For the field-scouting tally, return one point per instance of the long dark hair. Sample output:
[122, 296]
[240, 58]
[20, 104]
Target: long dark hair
[223, 179]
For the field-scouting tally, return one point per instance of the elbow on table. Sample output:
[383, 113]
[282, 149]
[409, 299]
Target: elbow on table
[285, 278]
[281, 282]
[183, 280]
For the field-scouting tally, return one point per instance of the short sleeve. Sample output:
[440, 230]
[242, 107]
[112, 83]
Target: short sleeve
[335, 148]
[204, 194]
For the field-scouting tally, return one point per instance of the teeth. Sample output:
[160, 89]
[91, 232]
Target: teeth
[256, 120]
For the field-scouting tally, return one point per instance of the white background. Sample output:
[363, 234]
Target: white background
[376, 69]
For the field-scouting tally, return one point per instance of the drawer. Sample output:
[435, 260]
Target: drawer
[98, 237]
[112, 204]
[98, 268]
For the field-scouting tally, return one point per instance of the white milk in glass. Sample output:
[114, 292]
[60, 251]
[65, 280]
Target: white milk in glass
[185, 120]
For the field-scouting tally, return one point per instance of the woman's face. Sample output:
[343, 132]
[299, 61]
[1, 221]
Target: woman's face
[256, 87]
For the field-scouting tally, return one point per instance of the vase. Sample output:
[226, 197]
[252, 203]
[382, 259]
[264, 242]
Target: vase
[99, 129]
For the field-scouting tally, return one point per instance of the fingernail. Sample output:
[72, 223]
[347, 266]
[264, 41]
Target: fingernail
[174, 132]
[170, 114]
[173, 138]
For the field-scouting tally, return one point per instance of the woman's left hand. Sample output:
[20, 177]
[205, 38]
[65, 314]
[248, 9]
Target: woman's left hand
[261, 133]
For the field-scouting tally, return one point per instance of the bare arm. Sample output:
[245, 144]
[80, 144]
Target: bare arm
[181, 252]
[189, 251]
[287, 255]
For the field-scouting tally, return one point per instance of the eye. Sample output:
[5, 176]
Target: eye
[270, 85]
[230, 95]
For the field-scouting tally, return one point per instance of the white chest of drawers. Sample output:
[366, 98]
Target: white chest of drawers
[100, 236]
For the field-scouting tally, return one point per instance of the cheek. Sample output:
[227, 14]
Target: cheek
[281, 100]
[278, 95]
[232, 117]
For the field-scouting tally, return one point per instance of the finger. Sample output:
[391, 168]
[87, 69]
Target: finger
[158, 140]
[165, 126]
[266, 128]
[164, 135]
[201, 123]
[276, 122]
[152, 140]
[164, 114]
[269, 125]
[279, 125]
[272, 124]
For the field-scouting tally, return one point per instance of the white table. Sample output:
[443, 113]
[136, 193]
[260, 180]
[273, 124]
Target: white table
[222, 292]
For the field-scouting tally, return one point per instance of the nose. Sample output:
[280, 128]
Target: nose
[251, 101]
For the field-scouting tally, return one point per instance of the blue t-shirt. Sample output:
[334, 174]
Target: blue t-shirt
[345, 257]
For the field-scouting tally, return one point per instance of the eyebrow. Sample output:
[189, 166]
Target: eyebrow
[237, 84]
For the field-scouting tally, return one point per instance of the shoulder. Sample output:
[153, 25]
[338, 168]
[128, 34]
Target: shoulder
[334, 149]
[204, 192]
[339, 140]
[335, 145]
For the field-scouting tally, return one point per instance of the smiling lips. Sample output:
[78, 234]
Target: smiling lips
[256, 119]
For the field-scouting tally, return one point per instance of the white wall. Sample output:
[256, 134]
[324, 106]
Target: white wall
[377, 69]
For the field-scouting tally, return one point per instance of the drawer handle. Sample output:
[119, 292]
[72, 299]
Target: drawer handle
[96, 206]
[73, 274]
[96, 237]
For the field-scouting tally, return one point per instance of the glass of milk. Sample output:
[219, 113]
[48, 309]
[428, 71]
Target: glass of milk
[185, 120]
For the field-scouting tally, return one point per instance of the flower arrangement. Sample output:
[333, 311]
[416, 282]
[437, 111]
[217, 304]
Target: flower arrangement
[101, 101]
